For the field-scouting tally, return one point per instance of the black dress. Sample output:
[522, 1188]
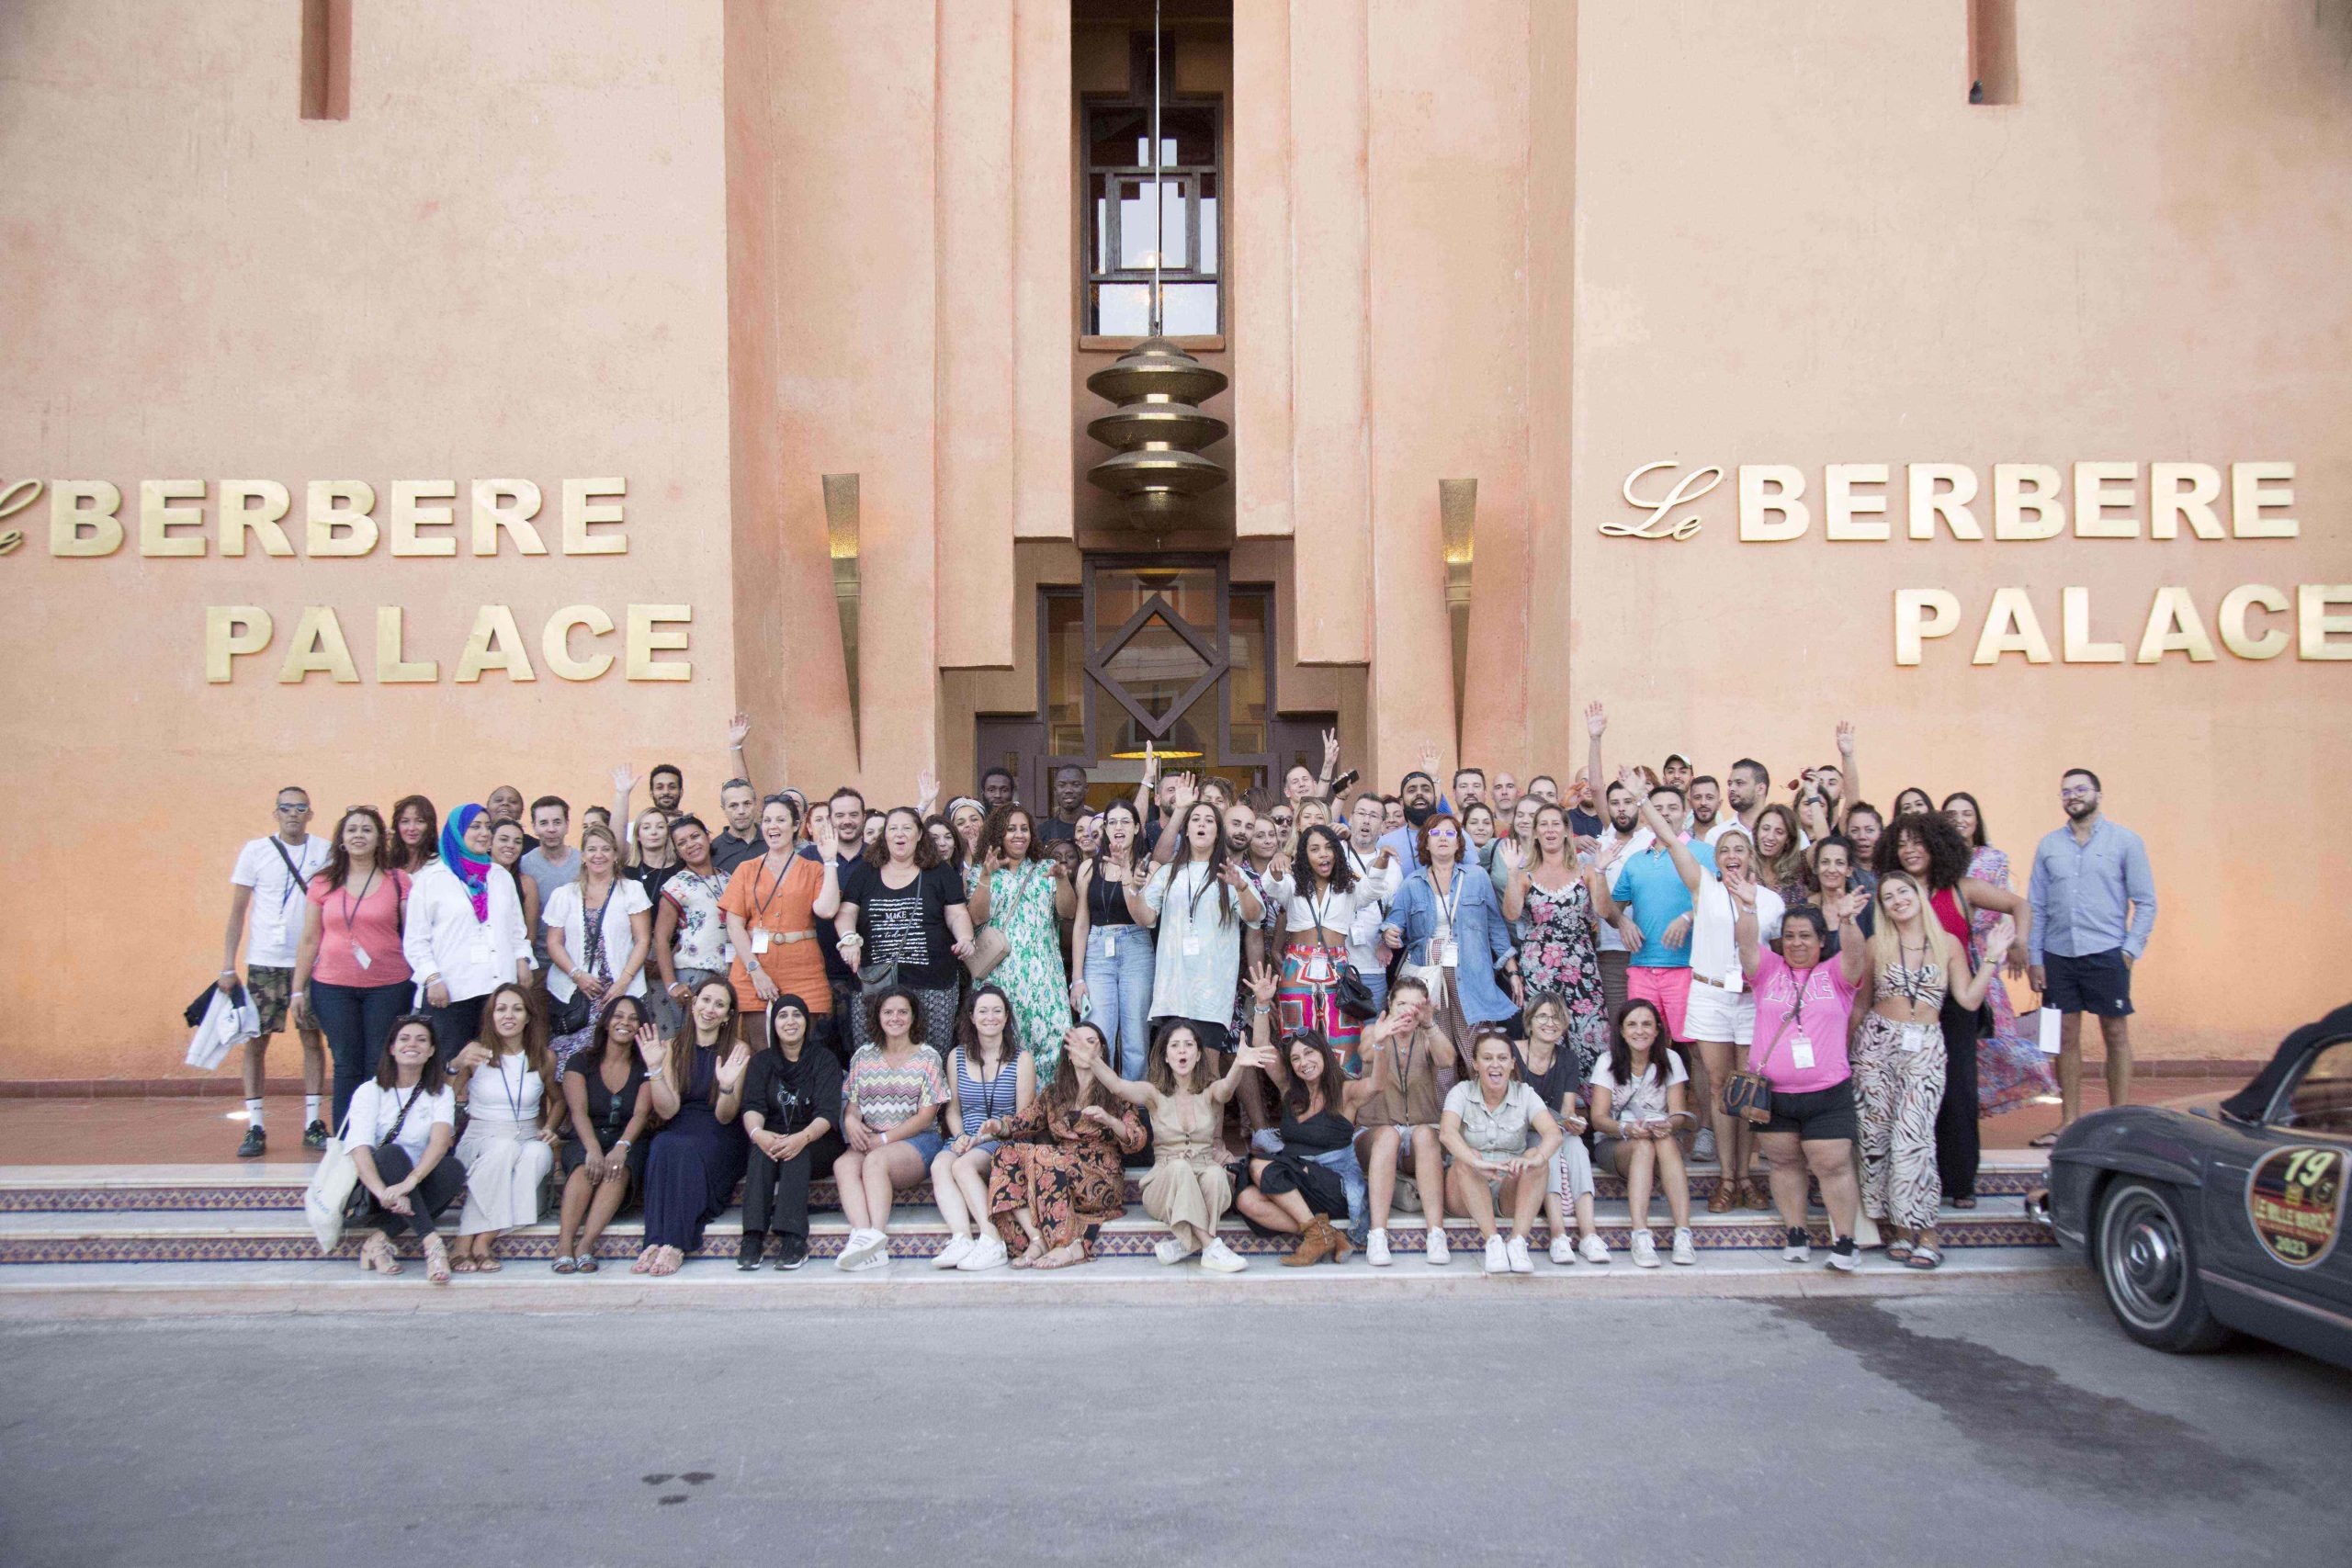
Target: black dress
[608, 1113]
[695, 1164]
[1295, 1170]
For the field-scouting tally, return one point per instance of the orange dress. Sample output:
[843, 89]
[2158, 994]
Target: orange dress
[779, 906]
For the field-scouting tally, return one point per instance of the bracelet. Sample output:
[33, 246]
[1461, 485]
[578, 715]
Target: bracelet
[622, 1144]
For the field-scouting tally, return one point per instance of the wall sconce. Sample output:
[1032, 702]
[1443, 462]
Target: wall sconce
[841, 538]
[1457, 510]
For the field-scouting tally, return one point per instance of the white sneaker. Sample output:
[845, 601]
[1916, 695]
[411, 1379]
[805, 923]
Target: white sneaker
[1564, 1251]
[1221, 1258]
[1593, 1248]
[1498, 1255]
[867, 1250]
[1685, 1253]
[1515, 1253]
[1645, 1249]
[1702, 1147]
[1798, 1248]
[1435, 1250]
[1376, 1248]
[957, 1250]
[1171, 1250]
[987, 1253]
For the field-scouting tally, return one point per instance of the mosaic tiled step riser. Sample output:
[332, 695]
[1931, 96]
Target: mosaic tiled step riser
[287, 1197]
[915, 1246]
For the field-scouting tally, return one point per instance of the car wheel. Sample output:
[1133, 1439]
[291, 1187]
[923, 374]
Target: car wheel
[2149, 1271]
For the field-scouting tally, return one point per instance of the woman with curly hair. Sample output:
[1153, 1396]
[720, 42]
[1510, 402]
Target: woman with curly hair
[1058, 1167]
[1929, 847]
[2010, 1068]
[1025, 894]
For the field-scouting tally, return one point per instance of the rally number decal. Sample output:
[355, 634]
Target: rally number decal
[2294, 1200]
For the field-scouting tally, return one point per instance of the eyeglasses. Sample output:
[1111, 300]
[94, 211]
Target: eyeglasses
[2069, 793]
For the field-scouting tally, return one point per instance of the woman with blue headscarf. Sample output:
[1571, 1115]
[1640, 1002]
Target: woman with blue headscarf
[464, 935]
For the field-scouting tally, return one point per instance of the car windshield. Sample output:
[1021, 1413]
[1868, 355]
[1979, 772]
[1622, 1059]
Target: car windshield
[2320, 1100]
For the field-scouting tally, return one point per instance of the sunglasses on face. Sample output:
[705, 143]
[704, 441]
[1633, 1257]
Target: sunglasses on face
[294, 810]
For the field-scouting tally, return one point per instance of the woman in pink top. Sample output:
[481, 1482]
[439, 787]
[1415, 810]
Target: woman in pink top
[349, 974]
[1802, 1007]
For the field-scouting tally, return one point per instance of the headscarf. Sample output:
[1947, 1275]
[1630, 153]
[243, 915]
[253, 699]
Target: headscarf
[462, 862]
[807, 1020]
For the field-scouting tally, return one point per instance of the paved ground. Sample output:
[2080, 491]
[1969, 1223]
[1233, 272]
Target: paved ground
[1963, 1430]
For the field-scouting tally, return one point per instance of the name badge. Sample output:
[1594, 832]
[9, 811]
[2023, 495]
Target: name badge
[759, 942]
[1914, 1036]
[726, 952]
[1110, 941]
[1801, 1051]
[359, 957]
[1192, 945]
[1447, 953]
[1734, 982]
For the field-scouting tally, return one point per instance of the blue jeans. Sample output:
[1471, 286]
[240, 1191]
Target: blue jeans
[357, 1022]
[1118, 993]
[1343, 1160]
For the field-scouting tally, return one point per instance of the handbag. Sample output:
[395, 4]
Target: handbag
[1747, 1094]
[878, 976]
[328, 1198]
[1353, 997]
[988, 948]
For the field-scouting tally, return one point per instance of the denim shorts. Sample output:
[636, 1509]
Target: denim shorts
[926, 1143]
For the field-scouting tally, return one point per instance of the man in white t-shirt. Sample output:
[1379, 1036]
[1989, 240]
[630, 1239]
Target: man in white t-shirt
[267, 904]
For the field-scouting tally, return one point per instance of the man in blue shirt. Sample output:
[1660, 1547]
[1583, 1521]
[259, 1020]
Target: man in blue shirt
[2093, 907]
[1654, 914]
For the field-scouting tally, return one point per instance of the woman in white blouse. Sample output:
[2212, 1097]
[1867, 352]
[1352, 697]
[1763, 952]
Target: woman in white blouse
[507, 1080]
[600, 929]
[1198, 904]
[401, 1123]
[464, 934]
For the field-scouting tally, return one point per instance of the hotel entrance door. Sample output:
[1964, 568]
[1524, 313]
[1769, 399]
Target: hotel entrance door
[1157, 650]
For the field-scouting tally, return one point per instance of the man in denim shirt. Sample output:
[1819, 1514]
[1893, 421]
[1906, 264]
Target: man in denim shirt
[2094, 907]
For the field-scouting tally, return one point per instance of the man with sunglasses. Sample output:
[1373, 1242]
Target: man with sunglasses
[267, 908]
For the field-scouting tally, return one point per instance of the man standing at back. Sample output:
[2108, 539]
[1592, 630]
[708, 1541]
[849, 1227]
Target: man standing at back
[1069, 803]
[267, 904]
[739, 840]
[550, 863]
[2094, 902]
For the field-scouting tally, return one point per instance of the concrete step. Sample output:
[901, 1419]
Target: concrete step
[158, 1236]
[228, 1188]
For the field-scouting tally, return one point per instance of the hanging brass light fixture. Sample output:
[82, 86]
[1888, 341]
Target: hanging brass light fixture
[1159, 428]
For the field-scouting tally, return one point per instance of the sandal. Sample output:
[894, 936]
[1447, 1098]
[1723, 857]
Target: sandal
[1898, 1250]
[584, 1263]
[1923, 1256]
[436, 1260]
[377, 1255]
[484, 1263]
[564, 1265]
[1062, 1257]
[1726, 1197]
[1754, 1197]
[644, 1264]
[463, 1264]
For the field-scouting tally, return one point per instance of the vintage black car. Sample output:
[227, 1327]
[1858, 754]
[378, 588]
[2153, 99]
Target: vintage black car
[2201, 1218]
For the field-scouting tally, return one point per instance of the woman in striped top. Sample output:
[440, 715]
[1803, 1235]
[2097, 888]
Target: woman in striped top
[890, 1104]
[990, 1078]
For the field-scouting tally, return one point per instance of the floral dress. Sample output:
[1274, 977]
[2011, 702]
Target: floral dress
[2011, 1067]
[1067, 1170]
[1558, 956]
[1021, 905]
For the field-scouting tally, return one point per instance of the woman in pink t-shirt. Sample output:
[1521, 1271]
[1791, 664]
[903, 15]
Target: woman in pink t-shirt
[349, 973]
[1802, 1007]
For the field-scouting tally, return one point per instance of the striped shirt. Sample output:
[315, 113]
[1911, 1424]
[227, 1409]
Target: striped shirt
[883, 1096]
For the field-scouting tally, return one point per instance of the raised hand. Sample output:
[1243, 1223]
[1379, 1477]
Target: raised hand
[475, 1055]
[1596, 719]
[926, 791]
[1330, 753]
[738, 729]
[1263, 981]
[992, 862]
[731, 1071]
[1150, 765]
[651, 1050]
[624, 781]
[1630, 778]
[825, 838]
[1845, 739]
[1188, 790]
[1254, 1055]
[1428, 758]
[1512, 856]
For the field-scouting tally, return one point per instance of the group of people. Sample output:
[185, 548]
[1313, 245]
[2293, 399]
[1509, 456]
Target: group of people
[1313, 1010]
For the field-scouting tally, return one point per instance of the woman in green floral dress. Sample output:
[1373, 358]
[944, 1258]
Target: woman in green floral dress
[1024, 894]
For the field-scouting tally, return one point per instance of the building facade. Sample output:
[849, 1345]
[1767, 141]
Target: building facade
[455, 395]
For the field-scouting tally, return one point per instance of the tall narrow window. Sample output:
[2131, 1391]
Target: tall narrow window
[1992, 51]
[1131, 217]
[326, 58]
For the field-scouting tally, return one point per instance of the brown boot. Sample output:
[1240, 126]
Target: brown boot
[1314, 1246]
[1342, 1248]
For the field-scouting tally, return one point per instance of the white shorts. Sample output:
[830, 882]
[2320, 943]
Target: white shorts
[1714, 1013]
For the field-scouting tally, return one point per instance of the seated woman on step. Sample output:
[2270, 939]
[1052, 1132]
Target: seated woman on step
[402, 1124]
[988, 1076]
[1300, 1188]
[1188, 1189]
[1641, 1099]
[1060, 1165]
[1499, 1140]
[696, 1159]
[603, 1157]
[506, 1077]
[890, 1104]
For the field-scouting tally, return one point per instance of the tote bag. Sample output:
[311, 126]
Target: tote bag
[329, 1194]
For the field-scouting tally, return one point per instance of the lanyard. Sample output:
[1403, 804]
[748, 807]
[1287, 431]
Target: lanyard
[352, 905]
[513, 1091]
[759, 909]
[1446, 907]
[1315, 909]
[293, 873]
